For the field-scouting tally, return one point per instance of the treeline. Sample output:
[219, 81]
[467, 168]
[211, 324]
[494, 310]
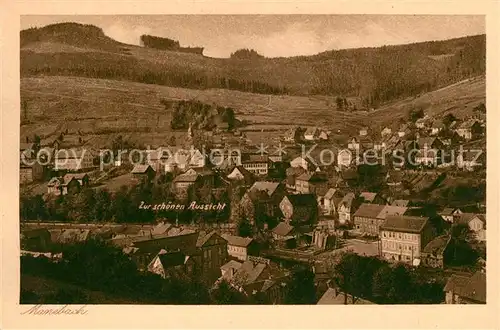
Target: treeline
[246, 54]
[201, 115]
[376, 280]
[98, 266]
[167, 44]
[107, 66]
[123, 206]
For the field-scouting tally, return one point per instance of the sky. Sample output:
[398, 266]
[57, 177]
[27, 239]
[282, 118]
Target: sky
[277, 35]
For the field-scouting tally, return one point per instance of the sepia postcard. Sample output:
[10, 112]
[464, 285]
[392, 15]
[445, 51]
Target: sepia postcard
[159, 163]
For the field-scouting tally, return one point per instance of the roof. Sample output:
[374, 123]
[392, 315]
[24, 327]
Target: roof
[369, 210]
[400, 203]
[302, 199]
[161, 228]
[473, 287]
[437, 245]
[391, 210]
[77, 176]
[465, 218]
[186, 177]
[247, 175]
[426, 142]
[231, 264]
[311, 130]
[333, 297]
[55, 181]
[203, 238]
[283, 229]
[312, 177]
[140, 169]
[368, 196]
[347, 200]
[172, 259]
[404, 223]
[265, 186]
[330, 193]
[237, 240]
[448, 211]
[467, 124]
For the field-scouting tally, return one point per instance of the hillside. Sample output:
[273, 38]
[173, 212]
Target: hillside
[374, 75]
[100, 109]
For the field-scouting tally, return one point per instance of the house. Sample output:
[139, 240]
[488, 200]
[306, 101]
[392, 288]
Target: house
[333, 296]
[82, 178]
[353, 143]
[471, 160]
[344, 158]
[240, 247]
[256, 164]
[366, 218]
[291, 175]
[433, 253]
[299, 209]
[420, 123]
[143, 172]
[311, 134]
[324, 135]
[404, 237]
[172, 264]
[363, 131]
[469, 129]
[328, 203]
[284, 235]
[304, 163]
[466, 289]
[369, 217]
[346, 208]
[293, 135]
[73, 159]
[476, 223]
[58, 186]
[257, 278]
[240, 174]
[387, 131]
[262, 199]
[450, 214]
[30, 171]
[437, 126]
[403, 130]
[310, 183]
[193, 177]
[401, 203]
[371, 197]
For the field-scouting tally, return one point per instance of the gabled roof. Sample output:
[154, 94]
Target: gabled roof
[465, 218]
[283, 229]
[172, 259]
[448, 211]
[330, 193]
[347, 200]
[55, 181]
[426, 142]
[473, 287]
[298, 200]
[78, 176]
[402, 223]
[312, 177]
[467, 124]
[186, 177]
[391, 210]
[203, 238]
[237, 240]
[368, 196]
[437, 245]
[247, 175]
[231, 264]
[333, 297]
[369, 210]
[264, 186]
[141, 169]
[400, 203]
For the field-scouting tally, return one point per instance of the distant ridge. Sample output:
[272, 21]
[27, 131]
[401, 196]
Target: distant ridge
[373, 75]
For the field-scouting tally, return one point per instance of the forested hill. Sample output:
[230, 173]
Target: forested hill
[375, 75]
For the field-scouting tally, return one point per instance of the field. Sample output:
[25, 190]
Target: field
[101, 109]
[458, 99]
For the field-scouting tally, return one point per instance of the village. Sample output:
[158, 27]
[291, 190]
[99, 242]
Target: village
[247, 218]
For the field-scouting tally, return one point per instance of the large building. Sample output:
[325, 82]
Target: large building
[369, 217]
[404, 237]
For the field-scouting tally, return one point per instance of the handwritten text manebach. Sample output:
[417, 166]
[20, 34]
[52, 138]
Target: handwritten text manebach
[56, 310]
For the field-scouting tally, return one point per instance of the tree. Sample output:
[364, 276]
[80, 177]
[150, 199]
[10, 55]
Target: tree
[301, 290]
[245, 228]
[225, 294]
[448, 119]
[415, 115]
